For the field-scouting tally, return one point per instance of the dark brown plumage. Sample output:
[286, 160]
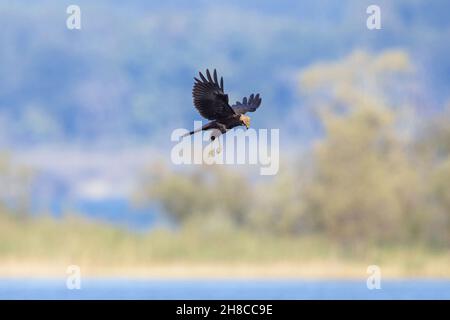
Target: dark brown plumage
[212, 103]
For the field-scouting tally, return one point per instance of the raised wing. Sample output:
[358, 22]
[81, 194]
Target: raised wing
[247, 105]
[209, 98]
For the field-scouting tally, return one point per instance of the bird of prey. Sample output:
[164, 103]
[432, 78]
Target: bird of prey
[211, 102]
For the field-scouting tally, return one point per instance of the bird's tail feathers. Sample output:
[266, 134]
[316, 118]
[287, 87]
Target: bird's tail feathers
[192, 132]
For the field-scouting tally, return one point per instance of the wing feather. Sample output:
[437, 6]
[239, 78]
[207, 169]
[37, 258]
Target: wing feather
[209, 97]
[247, 105]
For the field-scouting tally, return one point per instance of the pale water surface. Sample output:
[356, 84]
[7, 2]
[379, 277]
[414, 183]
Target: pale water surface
[222, 289]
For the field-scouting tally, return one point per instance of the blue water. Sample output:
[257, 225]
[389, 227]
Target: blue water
[222, 289]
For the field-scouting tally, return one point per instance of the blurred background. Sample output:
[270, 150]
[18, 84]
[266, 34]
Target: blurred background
[86, 117]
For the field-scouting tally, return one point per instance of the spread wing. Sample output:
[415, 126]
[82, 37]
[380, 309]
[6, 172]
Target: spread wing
[247, 105]
[209, 98]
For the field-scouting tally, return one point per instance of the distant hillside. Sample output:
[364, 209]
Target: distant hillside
[127, 75]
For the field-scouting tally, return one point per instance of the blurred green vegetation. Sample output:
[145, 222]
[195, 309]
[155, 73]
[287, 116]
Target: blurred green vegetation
[27, 247]
[15, 187]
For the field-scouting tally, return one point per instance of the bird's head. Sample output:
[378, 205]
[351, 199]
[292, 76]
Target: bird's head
[245, 120]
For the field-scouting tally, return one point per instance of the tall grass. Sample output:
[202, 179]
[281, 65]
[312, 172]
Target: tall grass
[94, 245]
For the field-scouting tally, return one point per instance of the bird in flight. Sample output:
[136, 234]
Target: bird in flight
[211, 102]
